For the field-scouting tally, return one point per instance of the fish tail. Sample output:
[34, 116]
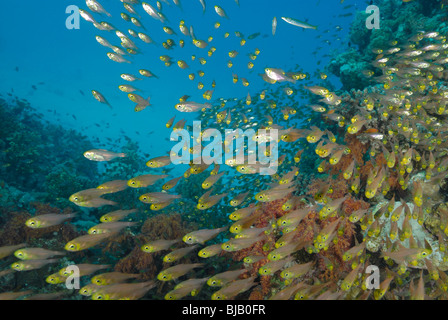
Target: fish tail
[131, 224]
[197, 265]
[53, 260]
[149, 284]
[122, 155]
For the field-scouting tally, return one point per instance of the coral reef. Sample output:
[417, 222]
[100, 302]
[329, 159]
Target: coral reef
[397, 21]
[13, 231]
[35, 161]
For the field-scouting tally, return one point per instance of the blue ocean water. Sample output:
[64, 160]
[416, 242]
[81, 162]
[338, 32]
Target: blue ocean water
[65, 65]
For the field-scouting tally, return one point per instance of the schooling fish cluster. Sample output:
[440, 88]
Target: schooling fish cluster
[363, 185]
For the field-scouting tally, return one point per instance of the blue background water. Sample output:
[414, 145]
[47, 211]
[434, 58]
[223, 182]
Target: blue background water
[61, 62]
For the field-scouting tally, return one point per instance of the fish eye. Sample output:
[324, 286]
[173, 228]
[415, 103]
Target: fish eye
[76, 198]
[99, 297]
[190, 238]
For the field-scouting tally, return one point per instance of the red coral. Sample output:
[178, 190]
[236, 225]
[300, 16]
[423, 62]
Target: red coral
[350, 205]
[256, 294]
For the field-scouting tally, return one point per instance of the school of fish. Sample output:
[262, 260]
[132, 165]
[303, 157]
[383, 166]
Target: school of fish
[400, 122]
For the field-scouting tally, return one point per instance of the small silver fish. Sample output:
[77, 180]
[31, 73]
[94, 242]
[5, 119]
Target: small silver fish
[299, 23]
[274, 25]
[96, 7]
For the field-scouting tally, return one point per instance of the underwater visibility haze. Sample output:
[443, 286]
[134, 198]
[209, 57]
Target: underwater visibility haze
[224, 149]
